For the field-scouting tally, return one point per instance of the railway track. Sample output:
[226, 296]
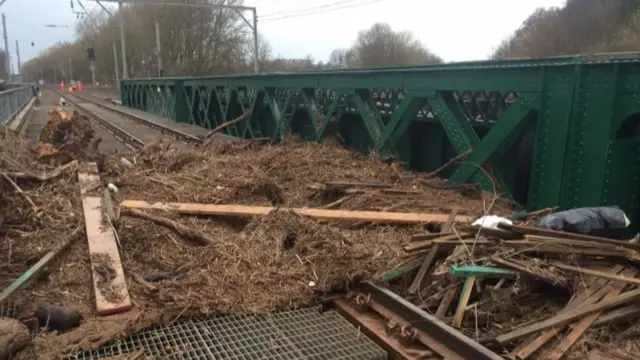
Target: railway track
[404, 330]
[133, 130]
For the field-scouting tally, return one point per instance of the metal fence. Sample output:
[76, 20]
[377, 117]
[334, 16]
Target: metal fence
[12, 100]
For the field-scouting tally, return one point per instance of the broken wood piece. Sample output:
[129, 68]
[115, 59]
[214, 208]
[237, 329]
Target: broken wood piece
[423, 237]
[481, 271]
[563, 319]
[227, 124]
[546, 249]
[467, 288]
[103, 245]
[446, 302]
[17, 188]
[566, 235]
[424, 267]
[188, 233]
[358, 184]
[448, 164]
[336, 203]
[543, 275]
[428, 260]
[586, 322]
[627, 313]
[573, 242]
[593, 295]
[42, 177]
[600, 274]
[418, 245]
[319, 214]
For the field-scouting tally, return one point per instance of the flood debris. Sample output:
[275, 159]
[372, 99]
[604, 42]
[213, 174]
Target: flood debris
[531, 292]
[66, 136]
[504, 286]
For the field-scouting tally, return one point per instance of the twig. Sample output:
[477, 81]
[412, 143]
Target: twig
[140, 280]
[43, 177]
[187, 232]
[448, 164]
[226, 124]
[19, 190]
[334, 204]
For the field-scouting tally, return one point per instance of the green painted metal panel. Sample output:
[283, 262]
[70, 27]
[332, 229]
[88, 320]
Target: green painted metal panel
[552, 128]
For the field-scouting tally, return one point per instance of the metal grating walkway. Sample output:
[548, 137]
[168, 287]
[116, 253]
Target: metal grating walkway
[292, 335]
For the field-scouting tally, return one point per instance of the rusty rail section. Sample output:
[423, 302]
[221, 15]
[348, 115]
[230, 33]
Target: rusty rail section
[405, 330]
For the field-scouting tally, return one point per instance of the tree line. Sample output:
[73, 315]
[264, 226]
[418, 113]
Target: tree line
[199, 42]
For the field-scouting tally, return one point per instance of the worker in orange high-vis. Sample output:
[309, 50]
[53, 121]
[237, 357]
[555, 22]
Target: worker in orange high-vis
[79, 86]
[61, 86]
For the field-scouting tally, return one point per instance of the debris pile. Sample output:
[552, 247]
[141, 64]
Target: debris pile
[530, 292]
[65, 136]
[255, 227]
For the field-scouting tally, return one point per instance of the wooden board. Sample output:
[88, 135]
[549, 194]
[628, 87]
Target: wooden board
[320, 214]
[102, 240]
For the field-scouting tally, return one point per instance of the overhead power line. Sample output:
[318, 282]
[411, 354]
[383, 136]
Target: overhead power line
[312, 8]
[320, 10]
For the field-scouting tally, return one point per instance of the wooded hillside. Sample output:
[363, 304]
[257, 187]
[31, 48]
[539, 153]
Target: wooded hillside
[581, 26]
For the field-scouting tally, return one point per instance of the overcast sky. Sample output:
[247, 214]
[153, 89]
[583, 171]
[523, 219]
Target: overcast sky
[456, 30]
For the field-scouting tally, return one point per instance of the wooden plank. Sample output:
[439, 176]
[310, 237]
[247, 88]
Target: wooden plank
[428, 260]
[525, 351]
[566, 235]
[432, 236]
[563, 319]
[446, 302]
[418, 245]
[103, 249]
[513, 264]
[600, 274]
[584, 324]
[319, 214]
[464, 300]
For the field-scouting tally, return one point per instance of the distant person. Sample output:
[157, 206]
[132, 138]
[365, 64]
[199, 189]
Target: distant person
[61, 86]
[79, 86]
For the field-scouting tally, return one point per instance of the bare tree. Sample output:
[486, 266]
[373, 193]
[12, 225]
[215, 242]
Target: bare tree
[194, 41]
[381, 46]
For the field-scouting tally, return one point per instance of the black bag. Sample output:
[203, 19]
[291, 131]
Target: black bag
[605, 221]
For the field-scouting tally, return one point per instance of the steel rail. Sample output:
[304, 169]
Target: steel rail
[415, 325]
[128, 139]
[184, 137]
